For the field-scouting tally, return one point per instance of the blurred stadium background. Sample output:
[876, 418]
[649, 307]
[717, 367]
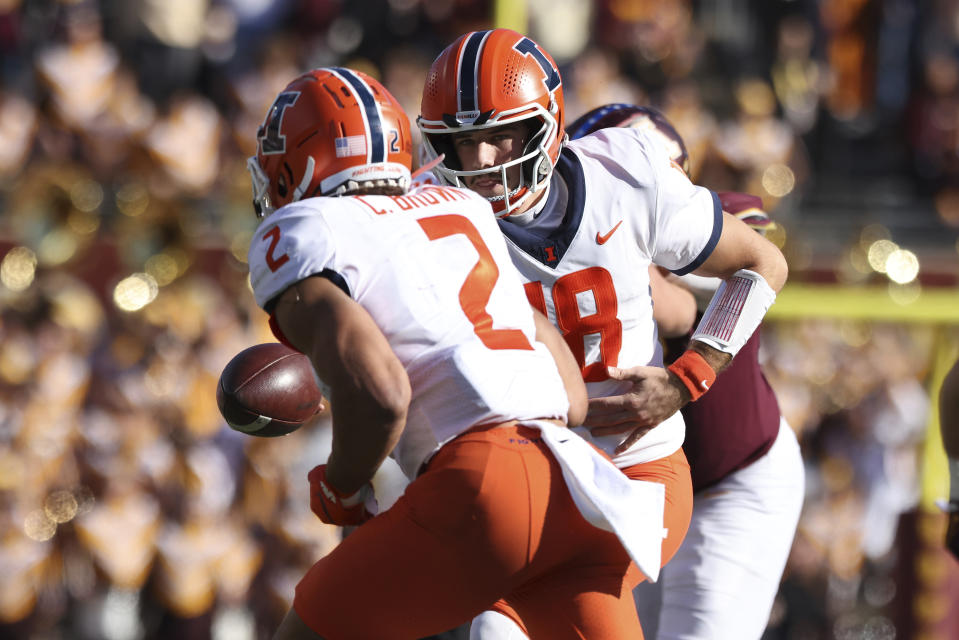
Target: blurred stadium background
[128, 510]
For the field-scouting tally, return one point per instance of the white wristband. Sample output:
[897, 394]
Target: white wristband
[735, 311]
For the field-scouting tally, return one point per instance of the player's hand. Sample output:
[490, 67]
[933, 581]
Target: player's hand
[952, 531]
[655, 395]
[331, 506]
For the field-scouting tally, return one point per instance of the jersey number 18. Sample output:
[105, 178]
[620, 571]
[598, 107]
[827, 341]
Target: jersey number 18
[575, 326]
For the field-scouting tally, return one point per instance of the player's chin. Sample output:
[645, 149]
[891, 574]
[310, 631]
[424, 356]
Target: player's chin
[486, 188]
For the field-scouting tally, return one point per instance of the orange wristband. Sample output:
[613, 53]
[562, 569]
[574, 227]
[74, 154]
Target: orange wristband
[695, 373]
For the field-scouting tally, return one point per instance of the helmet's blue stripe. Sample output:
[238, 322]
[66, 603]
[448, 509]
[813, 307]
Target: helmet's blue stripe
[468, 89]
[366, 98]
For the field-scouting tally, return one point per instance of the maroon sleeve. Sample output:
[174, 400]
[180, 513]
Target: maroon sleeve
[733, 424]
[734, 202]
[746, 207]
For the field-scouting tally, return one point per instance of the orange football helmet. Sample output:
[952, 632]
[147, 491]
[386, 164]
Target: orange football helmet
[330, 132]
[486, 79]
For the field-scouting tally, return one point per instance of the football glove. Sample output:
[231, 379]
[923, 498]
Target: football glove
[332, 507]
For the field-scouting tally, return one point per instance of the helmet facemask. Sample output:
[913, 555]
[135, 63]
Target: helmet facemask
[536, 165]
[261, 188]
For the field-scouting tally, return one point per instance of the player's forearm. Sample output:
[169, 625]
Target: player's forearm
[770, 263]
[733, 315]
[695, 371]
[368, 388]
[371, 396]
[740, 247]
[716, 359]
[362, 439]
[763, 258]
[569, 369]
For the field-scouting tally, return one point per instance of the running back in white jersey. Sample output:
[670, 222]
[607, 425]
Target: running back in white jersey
[432, 270]
[625, 205]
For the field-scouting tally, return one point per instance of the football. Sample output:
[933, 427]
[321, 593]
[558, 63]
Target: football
[268, 390]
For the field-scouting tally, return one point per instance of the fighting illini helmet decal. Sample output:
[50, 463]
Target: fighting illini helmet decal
[630, 116]
[331, 131]
[486, 79]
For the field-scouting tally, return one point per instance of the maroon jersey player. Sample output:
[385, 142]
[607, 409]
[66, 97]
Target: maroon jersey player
[746, 467]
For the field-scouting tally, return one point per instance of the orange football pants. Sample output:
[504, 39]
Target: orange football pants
[490, 518]
[671, 471]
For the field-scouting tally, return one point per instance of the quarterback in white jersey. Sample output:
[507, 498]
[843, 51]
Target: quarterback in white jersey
[419, 331]
[585, 221]
[586, 264]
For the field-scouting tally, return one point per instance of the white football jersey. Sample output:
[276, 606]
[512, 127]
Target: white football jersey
[621, 205]
[432, 270]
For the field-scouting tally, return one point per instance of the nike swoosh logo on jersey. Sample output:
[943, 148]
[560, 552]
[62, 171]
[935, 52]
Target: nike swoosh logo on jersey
[704, 385]
[601, 239]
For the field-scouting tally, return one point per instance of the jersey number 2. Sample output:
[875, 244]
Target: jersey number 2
[576, 326]
[478, 286]
[272, 261]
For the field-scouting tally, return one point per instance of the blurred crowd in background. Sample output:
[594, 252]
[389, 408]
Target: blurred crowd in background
[129, 510]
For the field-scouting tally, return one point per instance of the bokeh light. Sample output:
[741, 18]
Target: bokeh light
[132, 199]
[163, 268]
[135, 292]
[778, 180]
[60, 506]
[879, 252]
[182, 259]
[38, 526]
[902, 266]
[86, 195]
[57, 247]
[85, 499]
[83, 222]
[18, 268]
[777, 235]
[853, 268]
